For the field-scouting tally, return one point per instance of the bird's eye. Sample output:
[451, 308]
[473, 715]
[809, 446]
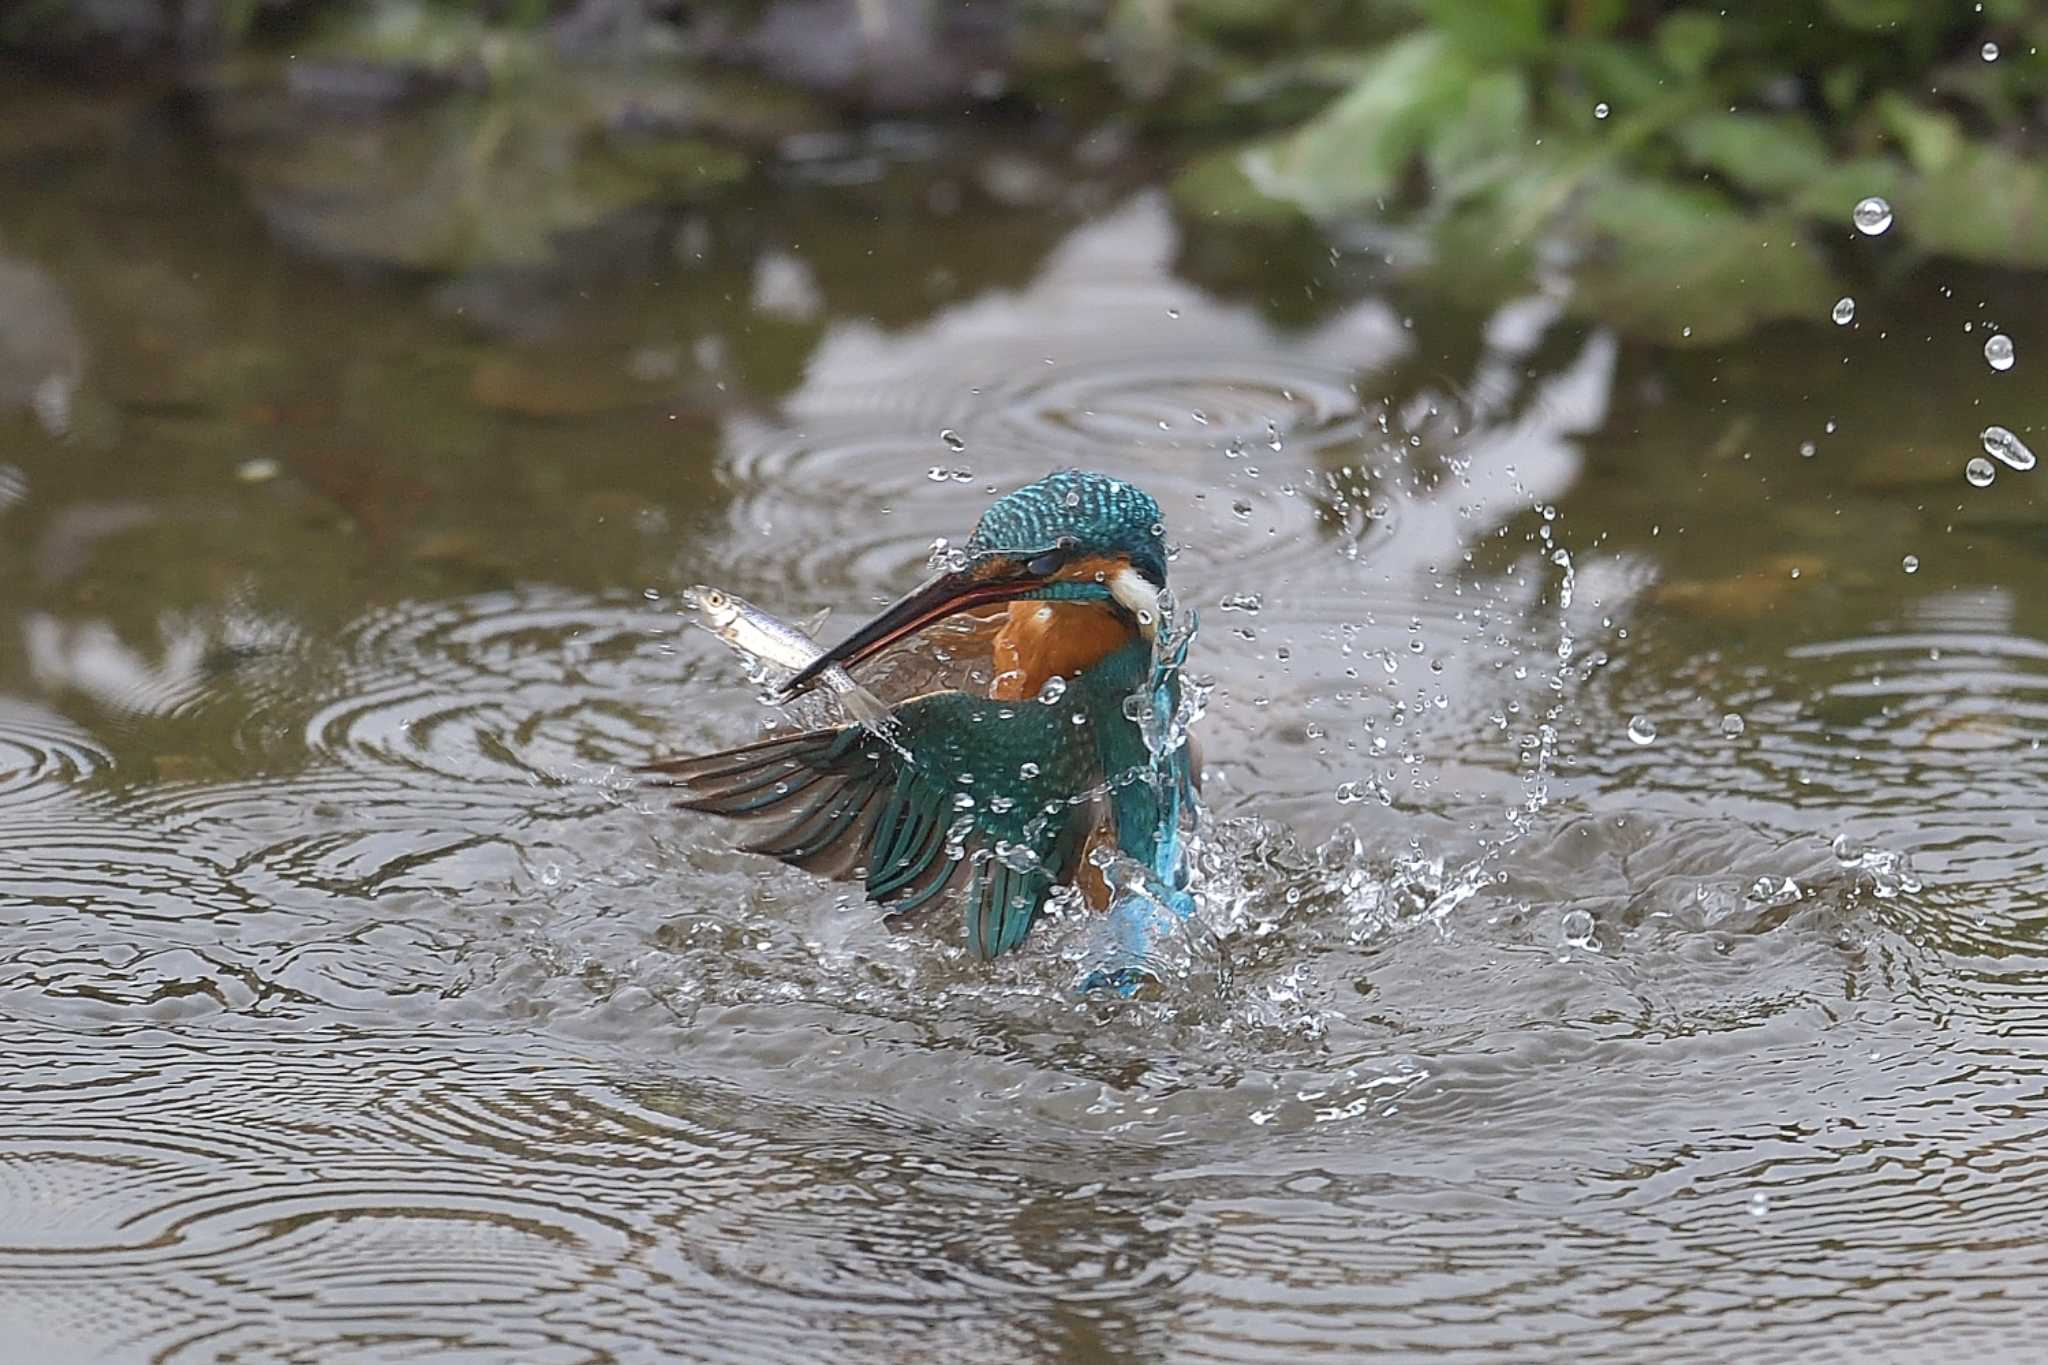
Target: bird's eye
[1048, 564]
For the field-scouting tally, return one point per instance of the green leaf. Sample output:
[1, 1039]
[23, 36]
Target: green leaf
[1931, 140]
[1623, 75]
[1762, 152]
[1687, 42]
[1216, 187]
[1840, 85]
[1492, 31]
[1832, 194]
[1358, 148]
[1486, 139]
[1679, 258]
[1983, 204]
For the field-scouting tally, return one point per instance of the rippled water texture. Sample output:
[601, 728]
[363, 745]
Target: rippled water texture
[360, 1007]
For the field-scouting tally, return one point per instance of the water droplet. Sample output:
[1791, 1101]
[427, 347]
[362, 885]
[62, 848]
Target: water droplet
[1246, 602]
[2006, 448]
[1578, 928]
[1641, 731]
[1017, 857]
[1759, 1204]
[1732, 725]
[1980, 472]
[1774, 891]
[1871, 216]
[1600, 110]
[1685, 331]
[1998, 351]
[1807, 450]
[1055, 688]
[1990, 51]
[1027, 770]
[1845, 311]
[1911, 563]
[952, 439]
[1847, 851]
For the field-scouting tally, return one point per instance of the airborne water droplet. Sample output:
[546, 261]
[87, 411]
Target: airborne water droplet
[1990, 52]
[1845, 311]
[1577, 927]
[1871, 216]
[1055, 687]
[1998, 351]
[1600, 110]
[1246, 602]
[1980, 472]
[1807, 450]
[1732, 725]
[1641, 731]
[1911, 563]
[952, 439]
[2008, 449]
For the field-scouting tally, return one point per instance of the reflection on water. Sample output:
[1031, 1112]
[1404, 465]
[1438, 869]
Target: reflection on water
[362, 1006]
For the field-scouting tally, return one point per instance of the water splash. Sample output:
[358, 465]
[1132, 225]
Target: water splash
[1872, 216]
[2008, 449]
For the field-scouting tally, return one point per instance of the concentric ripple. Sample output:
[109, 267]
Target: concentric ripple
[496, 693]
[41, 756]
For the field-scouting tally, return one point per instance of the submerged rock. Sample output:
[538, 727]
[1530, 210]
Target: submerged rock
[432, 142]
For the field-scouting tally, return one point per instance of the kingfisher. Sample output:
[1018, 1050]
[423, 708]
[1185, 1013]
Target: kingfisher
[1044, 746]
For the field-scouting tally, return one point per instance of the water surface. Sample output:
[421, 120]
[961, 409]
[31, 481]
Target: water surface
[363, 1007]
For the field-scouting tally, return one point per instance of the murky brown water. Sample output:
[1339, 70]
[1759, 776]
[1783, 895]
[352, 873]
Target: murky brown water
[360, 1008]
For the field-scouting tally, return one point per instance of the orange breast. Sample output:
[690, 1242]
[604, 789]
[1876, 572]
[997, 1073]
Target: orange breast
[1042, 640]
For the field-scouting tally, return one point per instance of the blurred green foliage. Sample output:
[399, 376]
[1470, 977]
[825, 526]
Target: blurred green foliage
[1692, 166]
[1688, 161]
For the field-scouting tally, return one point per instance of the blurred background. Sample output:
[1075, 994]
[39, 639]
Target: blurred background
[1599, 438]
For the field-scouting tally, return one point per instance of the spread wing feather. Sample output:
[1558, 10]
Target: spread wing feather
[908, 820]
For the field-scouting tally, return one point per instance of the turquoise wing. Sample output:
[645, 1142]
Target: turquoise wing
[972, 792]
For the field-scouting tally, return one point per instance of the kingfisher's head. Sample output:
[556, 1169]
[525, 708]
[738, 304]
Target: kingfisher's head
[1073, 536]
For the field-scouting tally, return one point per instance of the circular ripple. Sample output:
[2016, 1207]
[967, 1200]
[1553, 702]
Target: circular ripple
[495, 693]
[42, 756]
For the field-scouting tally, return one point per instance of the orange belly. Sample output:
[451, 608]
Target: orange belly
[1043, 640]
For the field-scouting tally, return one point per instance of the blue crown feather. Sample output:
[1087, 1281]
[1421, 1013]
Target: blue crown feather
[1102, 513]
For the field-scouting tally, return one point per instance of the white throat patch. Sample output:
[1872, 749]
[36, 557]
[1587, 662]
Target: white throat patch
[1138, 597]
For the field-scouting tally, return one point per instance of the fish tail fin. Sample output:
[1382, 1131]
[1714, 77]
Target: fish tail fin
[867, 708]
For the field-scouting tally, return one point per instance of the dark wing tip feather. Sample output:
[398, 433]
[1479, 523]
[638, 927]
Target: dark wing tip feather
[832, 803]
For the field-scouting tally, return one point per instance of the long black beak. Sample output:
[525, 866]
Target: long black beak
[992, 578]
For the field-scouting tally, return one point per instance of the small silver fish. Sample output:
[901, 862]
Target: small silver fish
[754, 633]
